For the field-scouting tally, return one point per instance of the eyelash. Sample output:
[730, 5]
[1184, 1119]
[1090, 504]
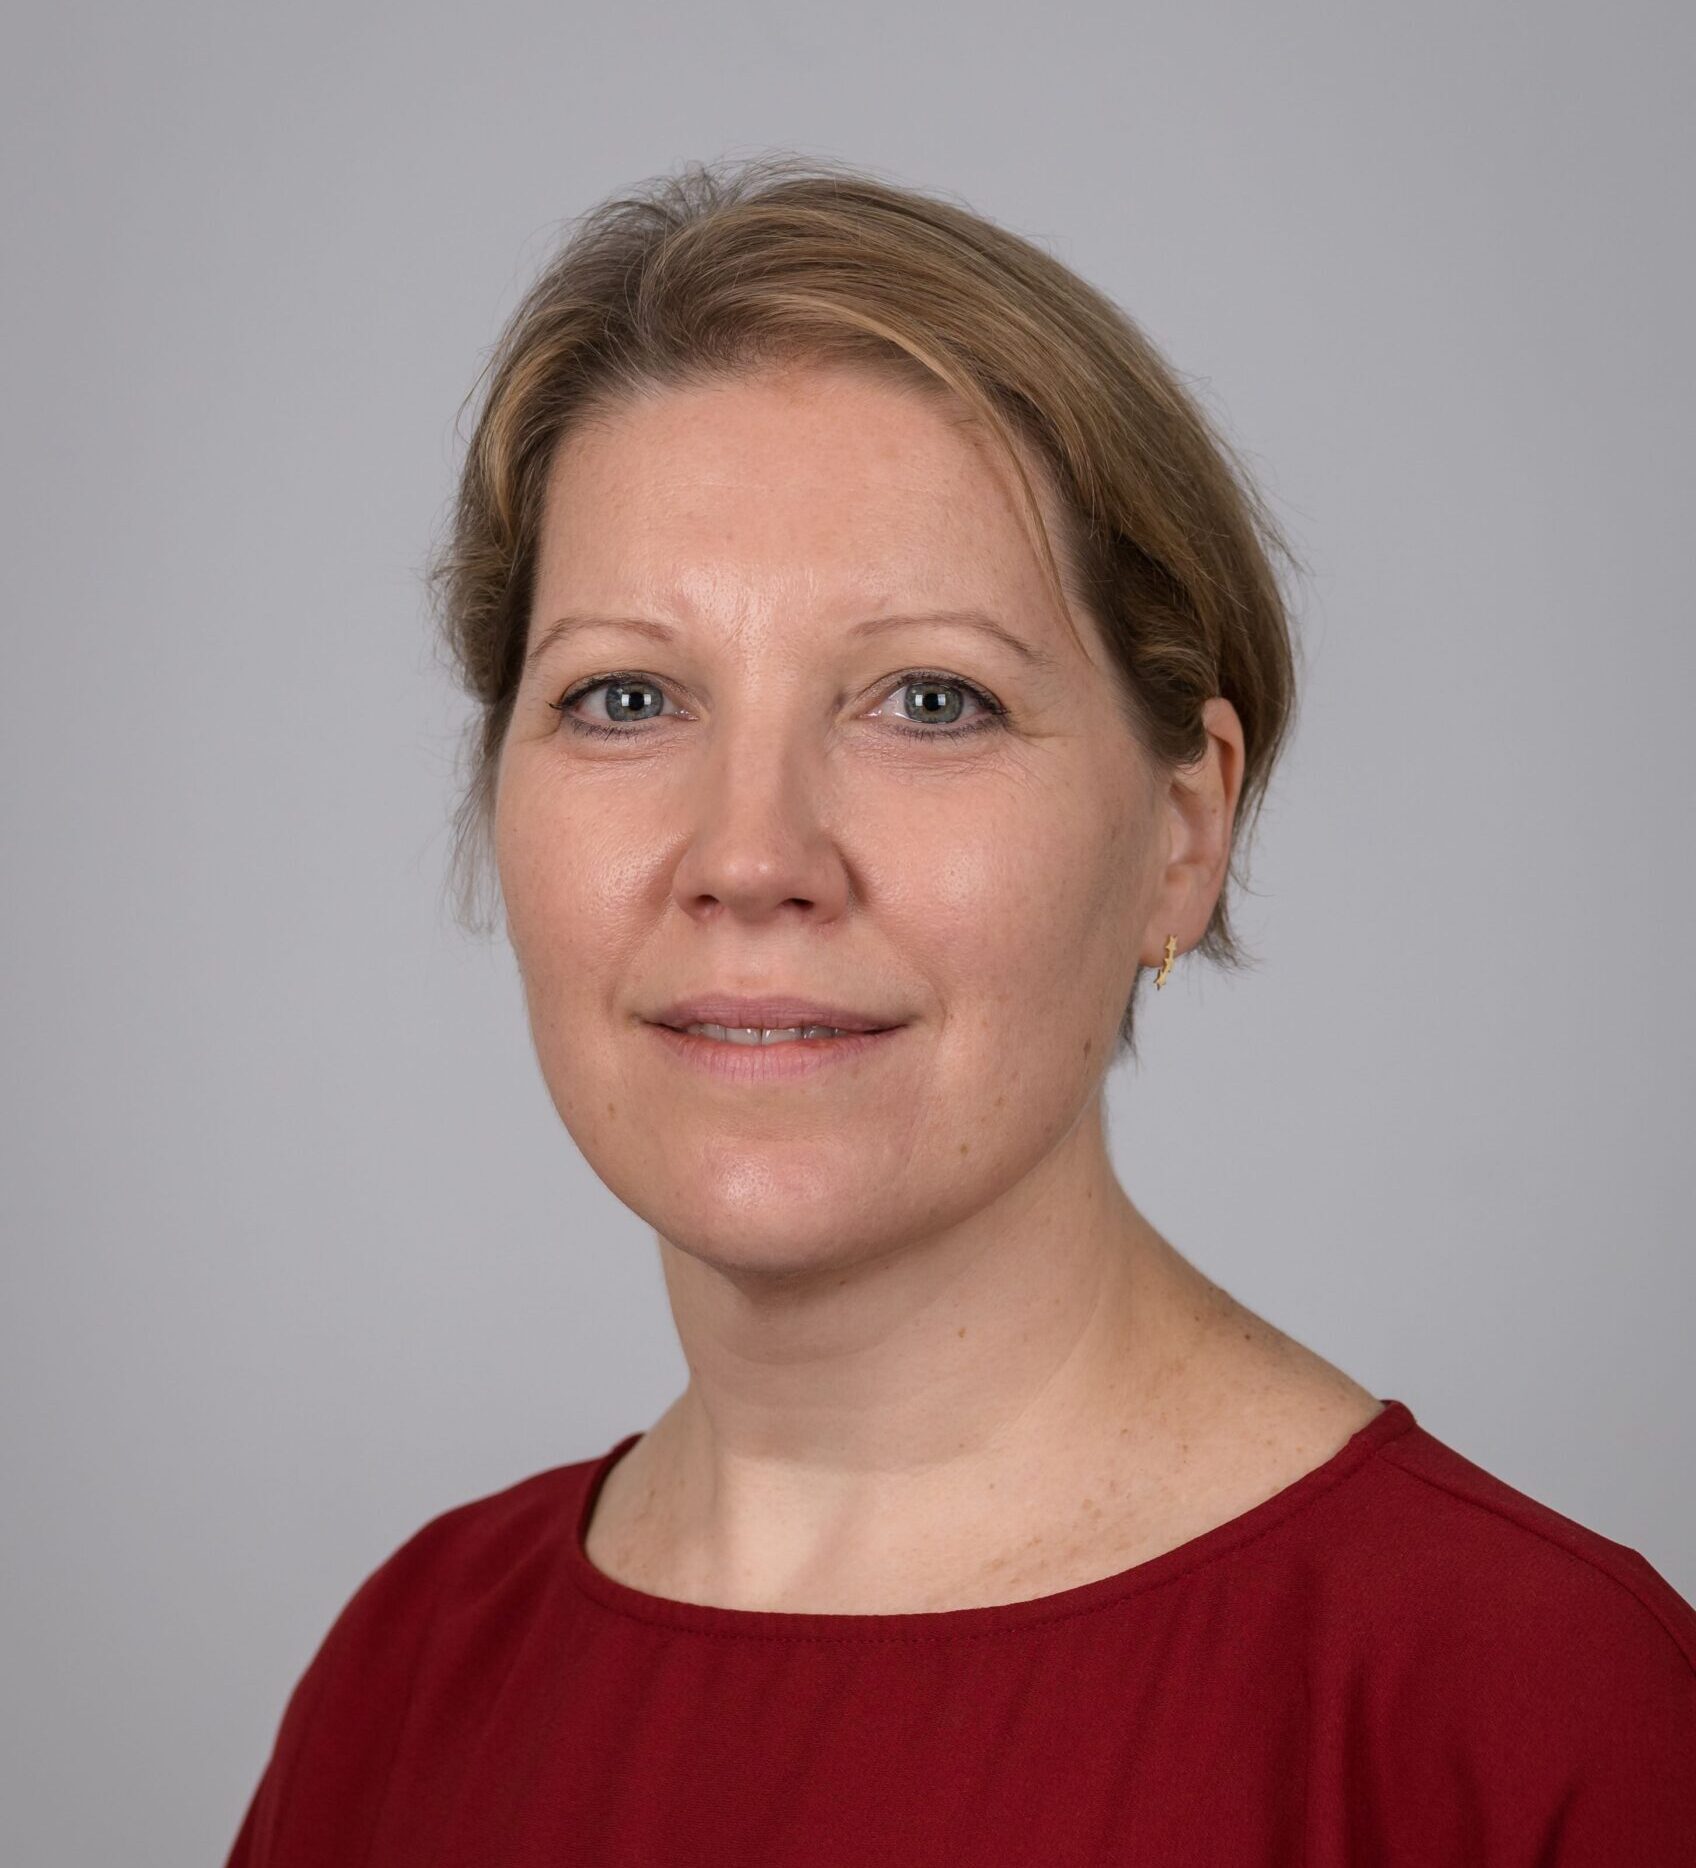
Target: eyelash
[992, 715]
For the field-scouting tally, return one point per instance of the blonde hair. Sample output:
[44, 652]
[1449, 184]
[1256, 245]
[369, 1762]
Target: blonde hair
[723, 268]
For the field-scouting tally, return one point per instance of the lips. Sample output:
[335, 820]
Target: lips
[771, 1013]
[736, 1064]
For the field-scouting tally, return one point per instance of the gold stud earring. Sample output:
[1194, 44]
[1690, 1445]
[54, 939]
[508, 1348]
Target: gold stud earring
[1166, 964]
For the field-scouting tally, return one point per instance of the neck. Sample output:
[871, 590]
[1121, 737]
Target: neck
[922, 1389]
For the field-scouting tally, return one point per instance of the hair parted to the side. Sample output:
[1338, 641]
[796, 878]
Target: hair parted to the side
[724, 267]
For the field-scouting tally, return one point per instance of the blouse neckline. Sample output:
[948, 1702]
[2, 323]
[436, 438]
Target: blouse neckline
[869, 1629]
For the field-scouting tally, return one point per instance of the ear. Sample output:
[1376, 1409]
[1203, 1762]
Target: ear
[1201, 807]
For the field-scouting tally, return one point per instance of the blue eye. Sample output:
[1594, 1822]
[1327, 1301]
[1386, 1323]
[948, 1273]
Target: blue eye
[947, 713]
[649, 704]
[619, 685]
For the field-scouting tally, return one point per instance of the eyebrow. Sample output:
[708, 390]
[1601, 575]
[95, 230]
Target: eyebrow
[874, 625]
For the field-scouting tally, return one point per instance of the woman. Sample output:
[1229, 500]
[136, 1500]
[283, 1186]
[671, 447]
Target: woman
[878, 664]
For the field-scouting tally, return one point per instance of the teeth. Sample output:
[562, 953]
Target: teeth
[764, 1034]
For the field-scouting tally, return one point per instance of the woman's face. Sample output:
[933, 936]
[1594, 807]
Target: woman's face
[797, 792]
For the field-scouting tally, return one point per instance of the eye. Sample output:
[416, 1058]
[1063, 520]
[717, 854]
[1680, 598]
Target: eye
[634, 698]
[928, 683]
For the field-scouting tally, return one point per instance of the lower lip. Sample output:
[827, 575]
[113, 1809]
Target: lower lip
[770, 1063]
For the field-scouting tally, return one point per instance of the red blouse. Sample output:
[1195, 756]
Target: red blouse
[1396, 1659]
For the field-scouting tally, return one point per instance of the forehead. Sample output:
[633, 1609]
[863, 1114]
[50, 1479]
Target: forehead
[819, 482]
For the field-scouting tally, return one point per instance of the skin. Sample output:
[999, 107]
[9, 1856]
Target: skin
[937, 1357]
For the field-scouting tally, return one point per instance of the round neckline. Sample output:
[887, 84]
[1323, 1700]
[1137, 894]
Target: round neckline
[1394, 1419]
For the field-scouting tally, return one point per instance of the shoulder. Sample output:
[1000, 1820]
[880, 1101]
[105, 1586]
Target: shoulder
[1521, 1658]
[461, 1575]
[459, 1563]
[467, 1549]
[1501, 1555]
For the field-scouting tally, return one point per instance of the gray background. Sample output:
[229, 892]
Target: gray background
[297, 1254]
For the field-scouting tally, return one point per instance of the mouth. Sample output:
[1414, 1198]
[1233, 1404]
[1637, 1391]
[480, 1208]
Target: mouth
[778, 1034]
[768, 1018]
[771, 1054]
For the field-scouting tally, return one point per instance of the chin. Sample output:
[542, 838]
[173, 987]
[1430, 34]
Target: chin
[777, 1238]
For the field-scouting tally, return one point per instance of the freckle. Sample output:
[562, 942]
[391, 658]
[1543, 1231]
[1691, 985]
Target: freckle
[962, 1330]
[965, 1148]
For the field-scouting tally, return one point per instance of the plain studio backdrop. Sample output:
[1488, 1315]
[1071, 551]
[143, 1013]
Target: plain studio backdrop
[297, 1253]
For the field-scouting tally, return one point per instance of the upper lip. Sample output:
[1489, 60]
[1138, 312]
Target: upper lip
[771, 1014]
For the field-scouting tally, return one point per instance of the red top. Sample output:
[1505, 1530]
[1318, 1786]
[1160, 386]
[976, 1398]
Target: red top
[1396, 1658]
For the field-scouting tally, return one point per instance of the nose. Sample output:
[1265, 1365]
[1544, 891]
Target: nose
[760, 842]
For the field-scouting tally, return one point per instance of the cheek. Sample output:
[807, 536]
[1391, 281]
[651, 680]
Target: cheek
[1025, 906]
[1003, 900]
[570, 881]
[569, 920]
